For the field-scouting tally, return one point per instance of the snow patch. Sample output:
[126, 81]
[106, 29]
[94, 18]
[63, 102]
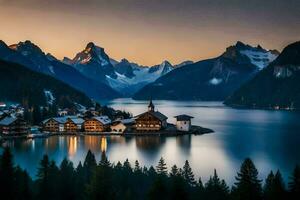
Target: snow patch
[215, 81]
[49, 96]
[259, 58]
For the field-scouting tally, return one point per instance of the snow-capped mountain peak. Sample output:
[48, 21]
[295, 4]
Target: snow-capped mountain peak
[92, 53]
[258, 56]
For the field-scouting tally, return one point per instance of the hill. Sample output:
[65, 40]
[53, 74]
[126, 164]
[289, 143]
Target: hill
[22, 85]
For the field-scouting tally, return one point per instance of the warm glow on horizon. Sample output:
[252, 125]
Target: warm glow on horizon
[147, 32]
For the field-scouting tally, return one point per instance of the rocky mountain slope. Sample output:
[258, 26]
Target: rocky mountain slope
[29, 55]
[277, 86]
[212, 79]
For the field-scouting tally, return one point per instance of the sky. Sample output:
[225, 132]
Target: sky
[150, 31]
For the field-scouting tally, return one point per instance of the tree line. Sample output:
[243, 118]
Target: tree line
[105, 180]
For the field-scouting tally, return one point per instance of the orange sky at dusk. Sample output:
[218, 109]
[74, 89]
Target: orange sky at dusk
[146, 33]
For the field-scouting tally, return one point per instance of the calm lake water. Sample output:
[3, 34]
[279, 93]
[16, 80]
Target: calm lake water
[270, 138]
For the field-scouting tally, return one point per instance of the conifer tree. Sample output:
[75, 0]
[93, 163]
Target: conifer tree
[294, 184]
[43, 176]
[127, 166]
[7, 171]
[174, 171]
[137, 168]
[22, 185]
[268, 186]
[161, 168]
[188, 174]
[66, 183]
[89, 166]
[248, 186]
[104, 161]
[216, 189]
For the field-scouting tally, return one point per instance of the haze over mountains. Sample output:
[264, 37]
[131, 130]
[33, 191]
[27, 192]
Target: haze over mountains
[98, 76]
[212, 79]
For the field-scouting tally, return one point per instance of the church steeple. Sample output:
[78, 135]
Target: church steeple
[151, 106]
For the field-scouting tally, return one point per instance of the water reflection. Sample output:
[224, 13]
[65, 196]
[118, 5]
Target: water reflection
[270, 138]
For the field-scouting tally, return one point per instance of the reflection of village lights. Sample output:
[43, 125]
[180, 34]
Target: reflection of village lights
[72, 146]
[103, 144]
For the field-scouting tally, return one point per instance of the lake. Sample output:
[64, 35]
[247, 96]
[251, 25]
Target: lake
[270, 138]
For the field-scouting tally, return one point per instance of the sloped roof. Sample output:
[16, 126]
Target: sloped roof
[156, 114]
[125, 121]
[7, 121]
[183, 117]
[77, 120]
[103, 119]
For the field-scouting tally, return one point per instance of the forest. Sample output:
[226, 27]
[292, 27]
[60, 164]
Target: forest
[105, 180]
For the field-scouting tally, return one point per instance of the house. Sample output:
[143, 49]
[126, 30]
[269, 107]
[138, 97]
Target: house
[13, 126]
[97, 124]
[73, 125]
[120, 126]
[54, 125]
[183, 122]
[151, 120]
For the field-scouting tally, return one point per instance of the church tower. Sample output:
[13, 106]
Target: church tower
[151, 106]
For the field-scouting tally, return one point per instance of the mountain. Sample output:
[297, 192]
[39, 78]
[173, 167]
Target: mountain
[125, 77]
[30, 55]
[212, 79]
[188, 62]
[94, 63]
[131, 77]
[22, 85]
[277, 86]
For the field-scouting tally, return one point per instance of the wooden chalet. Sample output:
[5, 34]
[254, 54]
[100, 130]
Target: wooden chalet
[13, 126]
[54, 125]
[73, 125]
[151, 120]
[96, 124]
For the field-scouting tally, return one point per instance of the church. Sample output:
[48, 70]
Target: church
[151, 120]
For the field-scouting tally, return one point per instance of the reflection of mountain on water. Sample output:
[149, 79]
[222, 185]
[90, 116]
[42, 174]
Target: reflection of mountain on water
[150, 143]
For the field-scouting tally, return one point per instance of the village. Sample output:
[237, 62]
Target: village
[151, 122]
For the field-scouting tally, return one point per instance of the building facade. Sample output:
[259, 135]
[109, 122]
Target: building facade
[151, 120]
[97, 124]
[183, 122]
[51, 125]
[13, 126]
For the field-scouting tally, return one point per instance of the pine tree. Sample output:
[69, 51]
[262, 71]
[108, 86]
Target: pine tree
[89, 166]
[216, 189]
[294, 184]
[268, 186]
[66, 183]
[104, 161]
[127, 167]
[7, 173]
[248, 186]
[188, 174]
[174, 171]
[161, 168]
[44, 191]
[137, 168]
[22, 185]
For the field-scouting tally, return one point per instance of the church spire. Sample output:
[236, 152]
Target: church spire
[151, 105]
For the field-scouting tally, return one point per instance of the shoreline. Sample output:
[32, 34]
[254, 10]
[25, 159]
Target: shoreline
[195, 130]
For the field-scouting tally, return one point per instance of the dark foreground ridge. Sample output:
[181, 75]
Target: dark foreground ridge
[105, 180]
